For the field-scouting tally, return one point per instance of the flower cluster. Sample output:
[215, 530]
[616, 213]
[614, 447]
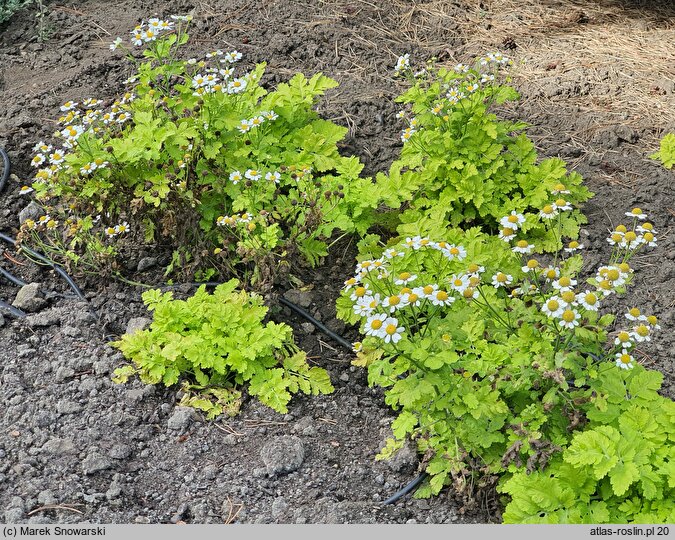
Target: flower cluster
[464, 82]
[117, 230]
[627, 240]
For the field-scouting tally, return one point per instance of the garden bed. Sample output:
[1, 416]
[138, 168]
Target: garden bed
[75, 446]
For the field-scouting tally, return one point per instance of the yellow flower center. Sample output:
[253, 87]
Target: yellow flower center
[507, 231]
[559, 187]
[404, 275]
[522, 243]
[568, 296]
[454, 251]
[406, 290]
[613, 274]
[442, 296]
[649, 237]
[624, 267]
[532, 263]
[474, 281]
[412, 298]
[468, 292]
[501, 277]
[564, 281]
[573, 244]
[513, 219]
[623, 337]
[360, 291]
[365, 264]
[568, 315]
[351, 281]
[550, 273]
[428, 289]
[552, 305]
[390, 329]
[591, 299]
[376, 324]
[560, 202]
[642, 330]
[621, 228]
[630, 236]
[636, 211]
[616, 237]
[604, 284]
[635, 312]
[548, 209]
[473, 267]
[651, 319]
[394, 300]
[647, 226]
[625, 358]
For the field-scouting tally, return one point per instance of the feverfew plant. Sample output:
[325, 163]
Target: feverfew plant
[214, 345]
[492, 357]
[198, 154]
[463, 165]
[666, 153]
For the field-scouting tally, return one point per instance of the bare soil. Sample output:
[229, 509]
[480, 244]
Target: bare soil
[598, 90]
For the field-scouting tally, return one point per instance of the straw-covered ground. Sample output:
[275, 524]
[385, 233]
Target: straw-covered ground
[598, 89]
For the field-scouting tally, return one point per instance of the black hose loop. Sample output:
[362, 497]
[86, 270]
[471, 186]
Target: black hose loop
[6, 168]
[342, 341]
[60, 271]
[407, 489]
[12, 310]
[12, 278]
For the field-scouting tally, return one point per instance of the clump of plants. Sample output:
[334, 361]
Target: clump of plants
[197, 154]
[666, 153]
[215, 345]
[460, 164]
[495, 359]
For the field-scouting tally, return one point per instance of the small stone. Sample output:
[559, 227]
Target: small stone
[120, 451]
[180, 419]
[307, 327]
[114, 491]
[279, 506]
[68, 407]
[59, 446]
[29, 298]
[282, 455]
[95, 462]
[71, 331]
[146, 263]
[2, 321]
[63, 373]
[298, 297]
[49, 317]
[13, 515]
[405, 459]
[32, 211]
[136, 324]
[46, 497]
[344, 377]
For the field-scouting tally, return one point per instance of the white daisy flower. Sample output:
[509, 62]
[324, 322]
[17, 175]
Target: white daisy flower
[513, 221]
[500, 279]
[236, 177]
[374, 325]
[637, 214]
[405, 277]
[116, 43]
[392, 332]
[553, 307]
[569, 318]
[459, 282]
[25, 190]
[441, 298]
[273, 177]
[624, 360]
[589, 300]
[624, 339]
[564, 283]
[522, 246]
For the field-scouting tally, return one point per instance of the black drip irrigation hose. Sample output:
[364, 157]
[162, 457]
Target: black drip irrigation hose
[347, 345]
[19, 313]
[6, 168]
[12, 310]
[12, 278]
[60, 271]
[342, 341]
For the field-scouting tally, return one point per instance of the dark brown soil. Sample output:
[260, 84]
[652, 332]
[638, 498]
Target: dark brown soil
[124, 459]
